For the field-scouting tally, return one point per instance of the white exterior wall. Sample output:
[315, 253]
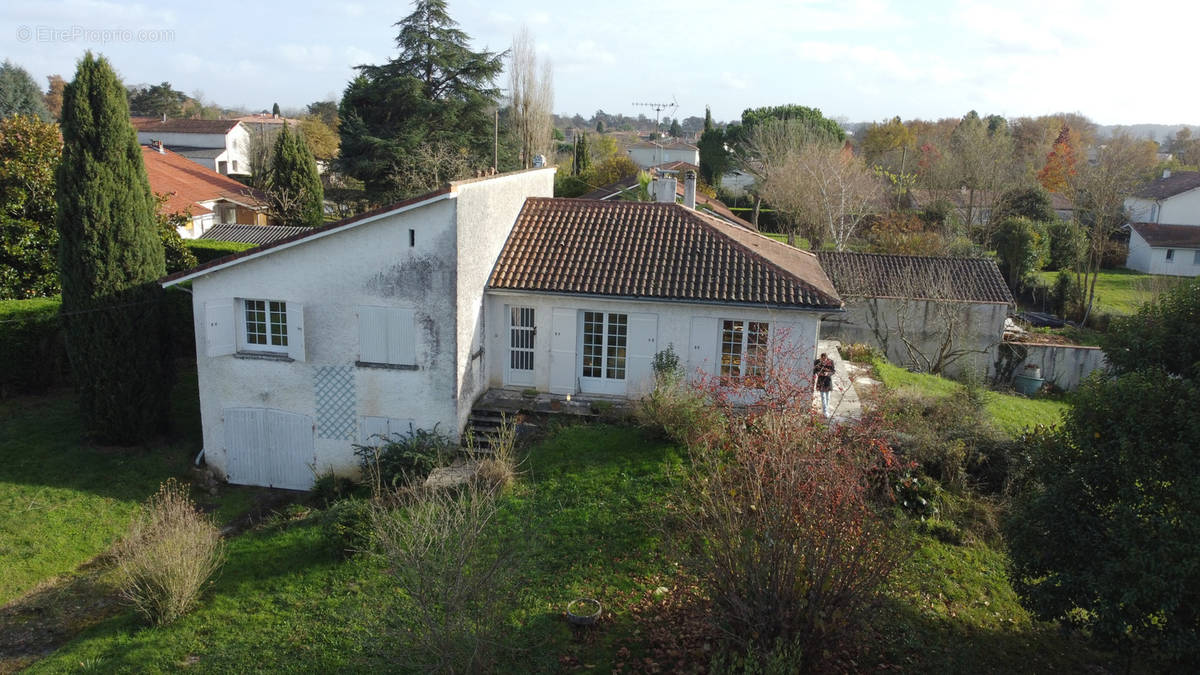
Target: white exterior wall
[236, 144]
[1141, 210]
[648, 157]
[487, 211]
[371, 265]
[1180, 209]
[1140, 252]
[983, 324]
[674, 327]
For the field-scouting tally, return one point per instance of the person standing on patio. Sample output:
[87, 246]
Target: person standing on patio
[823, 372]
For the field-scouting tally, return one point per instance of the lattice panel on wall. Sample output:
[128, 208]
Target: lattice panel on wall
[334, 388]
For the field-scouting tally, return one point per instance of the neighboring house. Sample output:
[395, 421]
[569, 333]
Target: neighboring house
[210, 198]
[1164, 249]
[737, 182]
[402, 317]
[624, 189]
[925, 313]
[253, 234]
[218, 145]
[1173, 199]
[654, 153]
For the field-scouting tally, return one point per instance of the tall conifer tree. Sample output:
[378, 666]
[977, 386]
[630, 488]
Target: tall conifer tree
[110, 256]
[293, 186]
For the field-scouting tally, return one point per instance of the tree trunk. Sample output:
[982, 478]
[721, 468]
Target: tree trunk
[757, 206]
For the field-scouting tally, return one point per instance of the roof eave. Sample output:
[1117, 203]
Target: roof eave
[648, 298]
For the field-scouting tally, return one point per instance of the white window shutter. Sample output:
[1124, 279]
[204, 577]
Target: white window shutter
[402, 342]
[372, 335]
[295, 330]
[562, 350]
[702, 357]
[220, 338]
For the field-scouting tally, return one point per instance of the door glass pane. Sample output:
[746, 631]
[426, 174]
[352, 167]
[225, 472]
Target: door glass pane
[593, 344]
[618, 333]
[731, 348]
[756, 347]
[256, 322]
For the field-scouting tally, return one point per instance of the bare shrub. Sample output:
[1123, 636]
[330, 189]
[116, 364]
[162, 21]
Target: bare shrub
[678, 411]
[781, 531]
[455, 592]
[169, 553]
[497, 465]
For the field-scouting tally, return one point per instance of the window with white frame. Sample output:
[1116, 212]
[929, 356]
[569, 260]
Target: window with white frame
[387, 337]
[1196, 257]
[1170, 255]
[743, 347]
[605, 338]
[264, 326]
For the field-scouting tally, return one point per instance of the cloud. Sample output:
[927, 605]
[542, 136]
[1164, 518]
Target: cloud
[731, 81]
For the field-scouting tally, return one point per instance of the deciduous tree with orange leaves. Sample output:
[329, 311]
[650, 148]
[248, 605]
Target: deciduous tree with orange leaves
[1060, 163]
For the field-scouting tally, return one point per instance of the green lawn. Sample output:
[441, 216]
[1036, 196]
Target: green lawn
[1011, 412]
[588, 511]
[62, 500]
[1122, 291]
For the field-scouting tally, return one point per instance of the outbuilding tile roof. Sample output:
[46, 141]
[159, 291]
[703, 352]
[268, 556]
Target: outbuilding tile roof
[915, 277]
[653, 250]
[1176, 183]
[1168, 236]
[252, 234]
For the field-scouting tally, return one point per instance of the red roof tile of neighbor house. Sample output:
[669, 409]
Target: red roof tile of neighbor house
[915, 277]
[654, 251]
[1178, 182]
[186, 183]
[1168, 236]
[182, 126]
[677, 165]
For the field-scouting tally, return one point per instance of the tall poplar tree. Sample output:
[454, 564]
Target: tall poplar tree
[293, 185]
[110, 256]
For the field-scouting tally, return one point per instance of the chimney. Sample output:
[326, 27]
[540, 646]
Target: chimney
[1166, 173]
[164, 117]
[664, 190]
[159, 147]
[689, 189]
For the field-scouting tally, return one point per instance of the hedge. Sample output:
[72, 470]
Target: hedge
[209, 249]
[31, 347]
[33, 353]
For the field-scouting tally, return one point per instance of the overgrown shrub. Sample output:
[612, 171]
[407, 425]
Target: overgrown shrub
[347, 526]
[779, 528]
[404, 458]
[169, 553]
[497, 466]
[860, 353]
[329, 487]
[679, 412]
[454, 579]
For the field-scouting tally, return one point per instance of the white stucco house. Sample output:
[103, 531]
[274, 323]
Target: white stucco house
[219, 145]
[210, 199]
[1164, 249]
[654, 153]
[403, 317]
[1173, 199]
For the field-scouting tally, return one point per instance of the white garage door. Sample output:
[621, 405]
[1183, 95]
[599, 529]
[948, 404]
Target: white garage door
[269, 447]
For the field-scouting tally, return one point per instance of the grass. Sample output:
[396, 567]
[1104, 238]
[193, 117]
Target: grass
[63, 501]
[1122, 291]
[1011, 413]
[586, 514]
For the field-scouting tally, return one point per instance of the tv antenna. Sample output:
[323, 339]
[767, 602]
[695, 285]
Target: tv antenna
[659, 107]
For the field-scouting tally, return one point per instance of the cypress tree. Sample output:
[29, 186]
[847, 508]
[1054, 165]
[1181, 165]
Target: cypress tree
[583, 156]
[110, 256]
[293, 184]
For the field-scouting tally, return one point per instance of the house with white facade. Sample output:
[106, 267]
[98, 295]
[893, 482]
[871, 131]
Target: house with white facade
[209, 198]
[219, 145]
[403, 317]
[1164, 228]
[665, 151]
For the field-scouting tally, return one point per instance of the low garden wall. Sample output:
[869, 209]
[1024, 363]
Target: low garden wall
[1064, 366]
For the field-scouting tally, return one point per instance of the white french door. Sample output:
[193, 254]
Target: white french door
[604, 344]
[522, 332]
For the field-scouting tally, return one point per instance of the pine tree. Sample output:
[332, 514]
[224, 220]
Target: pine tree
[275, 110]
[19, 94]
[293, 184]
[110, 256]
[423, 117]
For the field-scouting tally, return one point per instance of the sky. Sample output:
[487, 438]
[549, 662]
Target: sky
[857, 60]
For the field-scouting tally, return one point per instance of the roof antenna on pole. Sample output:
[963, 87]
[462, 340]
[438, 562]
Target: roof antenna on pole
[658, 108]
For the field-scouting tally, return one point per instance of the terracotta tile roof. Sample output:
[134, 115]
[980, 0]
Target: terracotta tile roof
[187, 183]
[652, 250]
[252, 234]
[1178, 182]
[677, 165]
[917, 277]
[1168, 236]
[182, 126]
